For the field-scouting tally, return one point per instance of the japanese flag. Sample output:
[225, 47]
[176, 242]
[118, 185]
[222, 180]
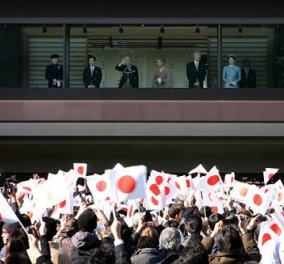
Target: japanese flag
[189, 183]
[100, 186]
[268, 174]
[257, 200]
[212, 200]
[128, 183]
[7, 215]
[239, 191]
[212, 181]
[80, 169]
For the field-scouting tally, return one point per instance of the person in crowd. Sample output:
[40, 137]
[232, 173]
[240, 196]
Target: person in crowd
[147, 248]
[92, 75]
[169, 244]
[85, 240]
[162, 77]
[54, 72]
[130, 77]
[231, 73]
[248, 75]
[104, 254]
[196, 71]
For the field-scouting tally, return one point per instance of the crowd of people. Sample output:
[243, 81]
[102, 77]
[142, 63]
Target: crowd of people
[181, 232]
[196, 71]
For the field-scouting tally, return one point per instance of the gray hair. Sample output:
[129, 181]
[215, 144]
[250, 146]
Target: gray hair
[170, 239]
[196, 52]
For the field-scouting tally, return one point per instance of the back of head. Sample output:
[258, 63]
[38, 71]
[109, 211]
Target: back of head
[15, 246]
[205, 211]
[193, 253]
[105, 253]
[150, 232]
[170, 239]
[18, 258]
[147, 242]
[214, 219]
[173, 211]
[87, 221]
[193, 224]
[229, 240]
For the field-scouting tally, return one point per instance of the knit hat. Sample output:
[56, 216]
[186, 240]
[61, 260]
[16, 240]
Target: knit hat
[87, 221]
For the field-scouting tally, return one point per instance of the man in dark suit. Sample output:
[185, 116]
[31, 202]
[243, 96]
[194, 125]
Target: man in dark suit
[196, 71]
[92, 75]
[248, 75]
[54, 72]
[129, 78]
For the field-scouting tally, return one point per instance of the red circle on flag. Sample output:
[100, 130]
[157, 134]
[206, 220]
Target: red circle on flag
[101, 186]
[1, 217]
[80, 170]
[212, 180]
[27, 188]
[126, 184]
[62, 204]
[154, 201]
[167, 190]
[280, 197]
[276, 229]
[177, 185]
[266, 237]
[214, 209]
[243, 191]
[159, 180]
[257, 200]
[188, 183]
[155, 189]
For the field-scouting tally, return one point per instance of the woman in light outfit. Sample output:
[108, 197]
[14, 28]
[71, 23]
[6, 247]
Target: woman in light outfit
[231, 73]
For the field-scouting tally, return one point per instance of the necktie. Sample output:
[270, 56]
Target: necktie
[92, 70]
[196, 65]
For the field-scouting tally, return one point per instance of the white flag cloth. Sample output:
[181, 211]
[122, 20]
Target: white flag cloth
[199, 169]
[268, 174]
[7, 214]
[80, 169]
[128, 183]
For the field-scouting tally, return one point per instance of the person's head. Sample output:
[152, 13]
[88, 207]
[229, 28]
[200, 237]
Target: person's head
[18, 258]
[71, 227]
[196, 55]
[246, 63]
[193, 253]
[127, 60]
[92, 60]
[174, 212]
[7, 230]
[231, 59]
[229, 240]
[147, 242]
[170, 239]
[15, 246]
[54, 58]
[87, 221]
[193, 224]
[161, 62]
[150, 232]
[214, 219]
[104, 254]
[205, 211]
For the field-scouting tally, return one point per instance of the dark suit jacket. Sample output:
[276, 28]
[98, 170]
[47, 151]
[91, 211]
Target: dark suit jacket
[249, 82]
[133, 76]
[94, 79]
[53, 71]
[193, 75]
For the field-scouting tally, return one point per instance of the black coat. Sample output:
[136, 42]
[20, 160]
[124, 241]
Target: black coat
[132, 75]
[193, 75]
[53, 71]
[249, 82]
[92, 79]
